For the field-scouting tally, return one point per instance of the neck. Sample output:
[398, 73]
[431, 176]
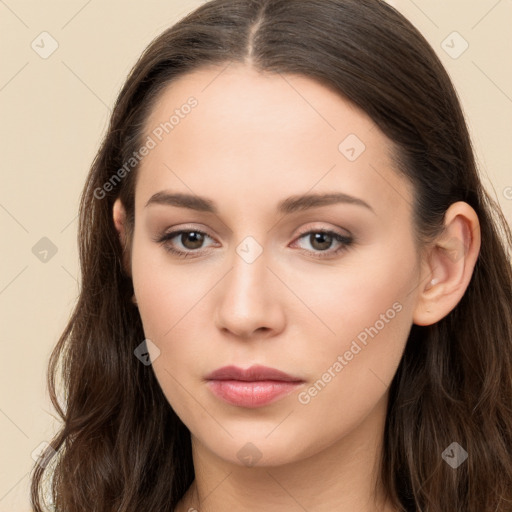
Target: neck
[344, 476]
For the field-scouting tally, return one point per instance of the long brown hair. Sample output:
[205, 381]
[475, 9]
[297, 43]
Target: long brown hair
[121, 447]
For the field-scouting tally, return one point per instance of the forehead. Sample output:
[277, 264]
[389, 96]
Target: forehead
[263, 133]
[249, 102]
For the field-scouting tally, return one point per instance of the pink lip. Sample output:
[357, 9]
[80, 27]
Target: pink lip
[252, 387]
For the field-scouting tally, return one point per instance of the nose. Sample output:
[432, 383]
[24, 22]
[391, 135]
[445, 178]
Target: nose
[249, 300]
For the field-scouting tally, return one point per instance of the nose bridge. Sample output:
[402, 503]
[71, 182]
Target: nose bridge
[248, 280]
[248, 298]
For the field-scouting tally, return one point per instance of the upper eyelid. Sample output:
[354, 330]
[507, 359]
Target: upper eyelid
[168, 235]
[325, 230]
[171, 233]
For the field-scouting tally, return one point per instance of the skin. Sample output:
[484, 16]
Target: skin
[254, 140]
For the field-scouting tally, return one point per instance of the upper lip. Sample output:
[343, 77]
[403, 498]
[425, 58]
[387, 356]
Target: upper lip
[254, 373]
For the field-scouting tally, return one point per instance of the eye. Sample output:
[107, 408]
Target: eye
[184, 242]
[189, 242]
[322, 241]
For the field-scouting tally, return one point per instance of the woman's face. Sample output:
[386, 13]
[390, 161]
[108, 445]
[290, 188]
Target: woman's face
[298, 255]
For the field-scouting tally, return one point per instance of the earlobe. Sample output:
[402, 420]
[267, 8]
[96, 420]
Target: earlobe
[449, 263]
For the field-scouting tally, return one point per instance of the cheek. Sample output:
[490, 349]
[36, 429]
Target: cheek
[367, 312]
[167, 293]
[349, 372]
[350, 380]
[169, 303]
[176, 316]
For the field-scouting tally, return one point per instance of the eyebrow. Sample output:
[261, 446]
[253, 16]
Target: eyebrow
[290, 205]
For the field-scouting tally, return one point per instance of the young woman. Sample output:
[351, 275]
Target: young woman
[296, 294]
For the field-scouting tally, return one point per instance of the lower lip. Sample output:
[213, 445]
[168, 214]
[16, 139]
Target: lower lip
[251, 394]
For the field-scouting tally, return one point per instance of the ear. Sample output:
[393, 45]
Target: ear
[449, 265]
[119, 216]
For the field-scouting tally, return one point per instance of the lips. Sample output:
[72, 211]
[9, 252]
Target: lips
[252, 387]
[254, 373]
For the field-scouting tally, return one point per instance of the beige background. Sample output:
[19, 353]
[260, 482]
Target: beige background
[54, 112]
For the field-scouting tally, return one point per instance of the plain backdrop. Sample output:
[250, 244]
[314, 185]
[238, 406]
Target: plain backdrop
[54, 108]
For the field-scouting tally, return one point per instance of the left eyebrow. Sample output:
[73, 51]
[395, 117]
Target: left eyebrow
[304, 202]
[287, 206]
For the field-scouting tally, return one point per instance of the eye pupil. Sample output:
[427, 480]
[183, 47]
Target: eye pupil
[324, 239]
[196, 239]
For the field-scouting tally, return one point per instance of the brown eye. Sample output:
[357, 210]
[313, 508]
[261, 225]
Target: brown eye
[185, 243]
[325, 243]
[320, 241]
[192, 239]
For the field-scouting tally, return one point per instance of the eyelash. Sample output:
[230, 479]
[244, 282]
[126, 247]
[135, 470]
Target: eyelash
[345, 241]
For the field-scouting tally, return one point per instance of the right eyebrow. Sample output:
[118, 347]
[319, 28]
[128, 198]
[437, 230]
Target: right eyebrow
[183, 201]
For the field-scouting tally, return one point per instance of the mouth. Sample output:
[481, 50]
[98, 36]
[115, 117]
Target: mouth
[252, 387]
